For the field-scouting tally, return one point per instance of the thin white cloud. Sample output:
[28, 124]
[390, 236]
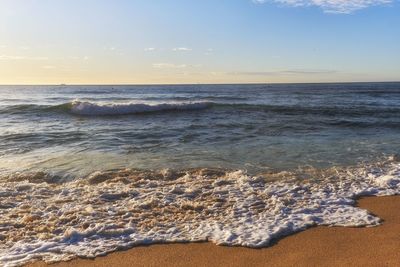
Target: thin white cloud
[7, 57]
[181, 49]
[331, 6]
[174, 66]
[111, 48]
[209, 51]
[115, 50]
[168, 66]
[84, 58]
[282, 72]
[149, 49]
[24, 47]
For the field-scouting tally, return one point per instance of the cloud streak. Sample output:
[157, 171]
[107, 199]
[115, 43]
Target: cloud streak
[181, 49]
[174, 66]
[168, 66]
[7, 57]
[282, 72]
[331, 6]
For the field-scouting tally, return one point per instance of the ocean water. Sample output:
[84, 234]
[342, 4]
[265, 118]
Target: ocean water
[87, 170]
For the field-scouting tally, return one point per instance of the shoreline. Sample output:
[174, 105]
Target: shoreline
[317, 246]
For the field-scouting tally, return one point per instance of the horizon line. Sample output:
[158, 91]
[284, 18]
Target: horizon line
[150, 84]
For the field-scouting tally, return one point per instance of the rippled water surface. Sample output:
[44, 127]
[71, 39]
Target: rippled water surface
[73, 130]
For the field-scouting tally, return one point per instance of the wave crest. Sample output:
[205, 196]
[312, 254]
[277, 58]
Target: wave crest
[88, 108]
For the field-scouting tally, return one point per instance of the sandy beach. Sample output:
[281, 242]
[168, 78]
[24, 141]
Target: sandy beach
[318, 246]
[199, 133]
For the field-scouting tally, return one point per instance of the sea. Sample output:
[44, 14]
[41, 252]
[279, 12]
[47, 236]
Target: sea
[87, 170]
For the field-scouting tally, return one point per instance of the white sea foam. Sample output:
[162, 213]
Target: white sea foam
[114, 210]
[97, 108]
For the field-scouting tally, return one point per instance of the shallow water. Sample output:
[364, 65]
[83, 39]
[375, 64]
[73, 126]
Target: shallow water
[86, 170]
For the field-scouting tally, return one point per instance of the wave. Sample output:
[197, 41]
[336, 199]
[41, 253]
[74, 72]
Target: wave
[90, 108]
[96, 108]
[99, 109]
[107, 211]
[87, 108]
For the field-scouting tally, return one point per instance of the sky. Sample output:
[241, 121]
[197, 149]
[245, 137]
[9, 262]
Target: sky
[198, 41]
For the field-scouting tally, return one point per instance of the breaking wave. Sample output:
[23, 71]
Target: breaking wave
[89, 108]
[111, 108]
[98, 109]
[113, 210]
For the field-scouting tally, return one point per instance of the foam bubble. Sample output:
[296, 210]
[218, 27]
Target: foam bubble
[121, 209]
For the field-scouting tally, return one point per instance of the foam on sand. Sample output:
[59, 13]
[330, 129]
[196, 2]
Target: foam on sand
[108, 211]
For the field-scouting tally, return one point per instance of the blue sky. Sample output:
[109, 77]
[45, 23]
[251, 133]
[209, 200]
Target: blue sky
[202, 41]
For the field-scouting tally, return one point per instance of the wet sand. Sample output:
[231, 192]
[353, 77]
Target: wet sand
[318, 246]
